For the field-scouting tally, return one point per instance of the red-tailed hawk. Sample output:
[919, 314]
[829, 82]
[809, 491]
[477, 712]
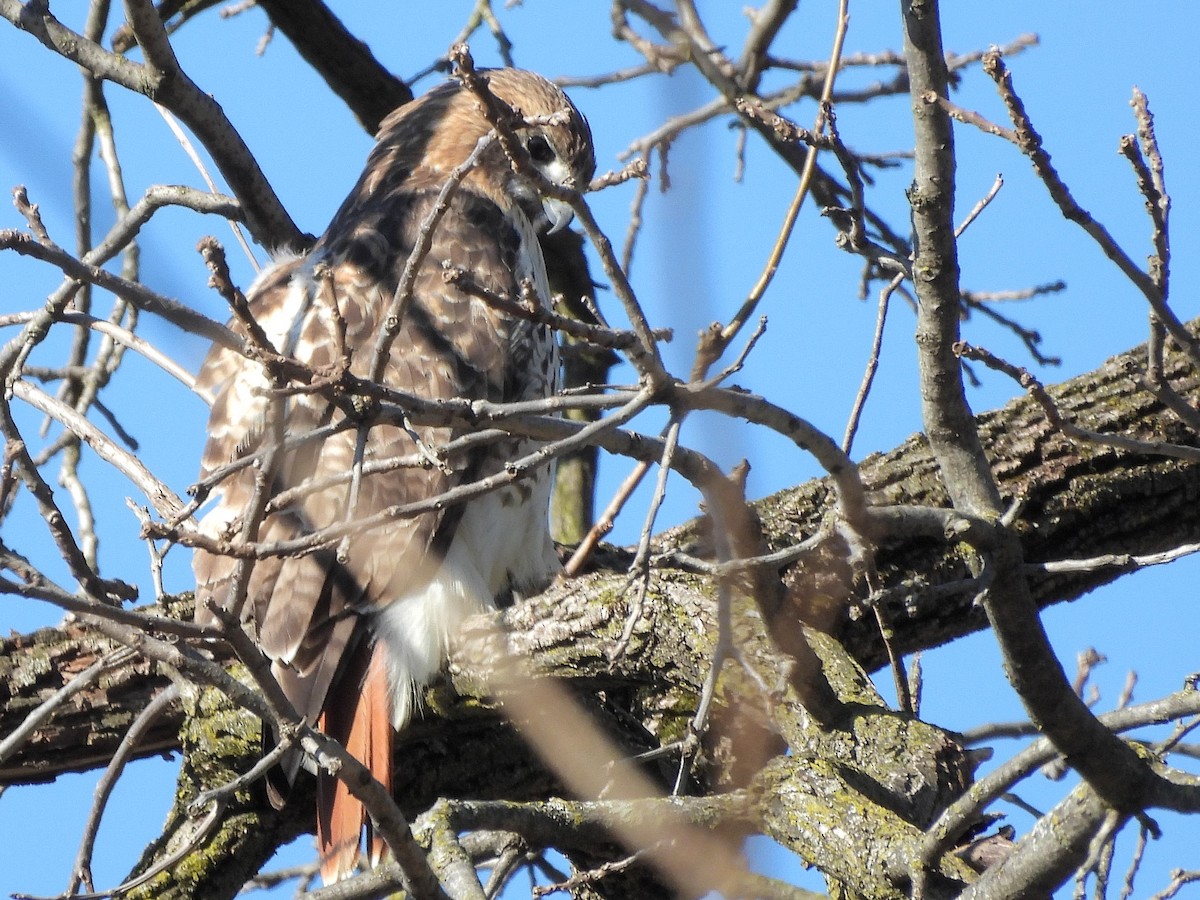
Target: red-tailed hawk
[355, 630]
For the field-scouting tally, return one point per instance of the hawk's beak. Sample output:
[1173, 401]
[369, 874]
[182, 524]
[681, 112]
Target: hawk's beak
[558, 213]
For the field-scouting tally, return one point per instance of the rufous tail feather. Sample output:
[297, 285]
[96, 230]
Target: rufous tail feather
[357, 713]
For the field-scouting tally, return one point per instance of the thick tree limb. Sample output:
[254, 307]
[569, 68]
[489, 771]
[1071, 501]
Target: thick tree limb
[1080, 501]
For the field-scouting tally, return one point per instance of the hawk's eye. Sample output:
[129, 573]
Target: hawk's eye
[539, 149]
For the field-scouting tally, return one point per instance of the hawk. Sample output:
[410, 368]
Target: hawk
[355, 629]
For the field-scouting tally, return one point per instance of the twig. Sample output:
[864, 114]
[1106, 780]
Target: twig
[864, 389]
[1179, 879]
[639, 568]
[463, 414]
[1050, 408]
[1135, 863]
[166, 501]
[771, 266]
[123, 336]
[222, 283]
[604, 524]
[635, 217]
[1030, 338]
[1158, 203]
[264, 765]
[483, 14]
[596, 335]
[156, 555]
[634, 169]
[199, 833]
[81, 871]
[186, 143]
[1113, 560]
[980, 206]
[588, 877]
[617, 76]
[111, 590]
[140, 296]
[970, 117]
[1030, 143]
[1155, 381]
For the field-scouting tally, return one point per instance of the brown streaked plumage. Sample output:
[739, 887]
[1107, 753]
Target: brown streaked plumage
[352, 640]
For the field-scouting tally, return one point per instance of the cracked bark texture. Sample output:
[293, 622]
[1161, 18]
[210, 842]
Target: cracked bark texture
[1079, 501]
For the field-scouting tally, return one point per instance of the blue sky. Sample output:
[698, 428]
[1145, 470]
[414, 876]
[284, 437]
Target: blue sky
[701, 249]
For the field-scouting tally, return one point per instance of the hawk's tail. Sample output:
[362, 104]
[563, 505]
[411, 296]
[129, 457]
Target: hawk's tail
[357, 713]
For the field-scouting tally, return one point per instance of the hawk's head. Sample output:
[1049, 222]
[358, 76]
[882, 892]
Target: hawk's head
[421, 143]
[559, 146]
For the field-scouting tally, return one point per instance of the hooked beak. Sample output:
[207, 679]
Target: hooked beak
[558, 213]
